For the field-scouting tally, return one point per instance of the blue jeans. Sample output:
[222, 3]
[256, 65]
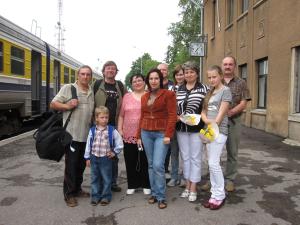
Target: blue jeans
[101, 176]
[174, 158]
[156, 152]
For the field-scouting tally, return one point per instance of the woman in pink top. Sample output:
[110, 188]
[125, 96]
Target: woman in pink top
[135, 158]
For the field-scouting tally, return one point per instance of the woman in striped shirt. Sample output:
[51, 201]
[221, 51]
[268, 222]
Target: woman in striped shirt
[190, 97]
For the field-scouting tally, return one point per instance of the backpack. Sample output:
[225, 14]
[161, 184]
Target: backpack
[51, 138]
[110, 136]
[98, 83]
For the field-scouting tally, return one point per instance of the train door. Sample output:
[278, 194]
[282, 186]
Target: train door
[36, 82]
[56, 77]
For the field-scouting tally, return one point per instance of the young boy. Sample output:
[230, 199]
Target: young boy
[103, 143]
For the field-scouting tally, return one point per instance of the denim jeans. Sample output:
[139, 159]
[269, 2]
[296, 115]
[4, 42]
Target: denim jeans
[156, 152]
[115, 170]
[174, 158]
[101, 176]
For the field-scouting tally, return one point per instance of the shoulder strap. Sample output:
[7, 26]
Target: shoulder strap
[121, 87]
[110, 136]
[97, 85]
[93, 129]
[74, 92]
[74, 96]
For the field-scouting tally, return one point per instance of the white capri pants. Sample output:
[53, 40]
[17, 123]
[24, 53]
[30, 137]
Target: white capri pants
[190, 146]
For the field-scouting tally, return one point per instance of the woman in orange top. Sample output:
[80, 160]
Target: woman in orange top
[157, 125]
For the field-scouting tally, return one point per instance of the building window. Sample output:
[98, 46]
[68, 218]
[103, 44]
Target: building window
[72, 76]
[262, 66]
[213, 19]
[1, 56]
[297, 81]
[230, 7]
[17, 60]
[66, 75]
[243, 71]
[244, 6]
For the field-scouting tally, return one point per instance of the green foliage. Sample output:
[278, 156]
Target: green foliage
[183, 33]
[146, 62]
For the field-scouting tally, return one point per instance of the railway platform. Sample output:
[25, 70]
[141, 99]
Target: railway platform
[267, 191]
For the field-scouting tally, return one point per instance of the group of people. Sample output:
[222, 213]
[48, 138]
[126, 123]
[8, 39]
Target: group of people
[147, 123]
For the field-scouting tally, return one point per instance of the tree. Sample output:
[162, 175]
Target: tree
[183, 33]
[147, 64]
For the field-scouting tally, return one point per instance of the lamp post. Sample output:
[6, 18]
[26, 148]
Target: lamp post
[200, 4]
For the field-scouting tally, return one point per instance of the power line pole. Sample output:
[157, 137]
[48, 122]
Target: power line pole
[60, 38]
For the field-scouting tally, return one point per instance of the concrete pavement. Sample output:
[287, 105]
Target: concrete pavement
[268, 191]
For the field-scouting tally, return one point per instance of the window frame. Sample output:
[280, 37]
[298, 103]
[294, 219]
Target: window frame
[230, 11]
[262, 77]
[213, 19]
[15, 60]
[243, 68]
[72, 76]
[1, 56]
[296, 85]
[244, 6]
[66, 75]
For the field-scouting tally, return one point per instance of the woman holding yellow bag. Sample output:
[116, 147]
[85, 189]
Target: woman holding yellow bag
[215, 107]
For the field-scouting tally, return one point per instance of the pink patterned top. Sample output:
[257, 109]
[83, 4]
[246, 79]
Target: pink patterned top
[131, 113]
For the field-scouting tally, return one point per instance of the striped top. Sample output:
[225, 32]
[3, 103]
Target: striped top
[190, 102]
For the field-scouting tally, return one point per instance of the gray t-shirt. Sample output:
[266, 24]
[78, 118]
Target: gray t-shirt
[222, 95]
[81, 118]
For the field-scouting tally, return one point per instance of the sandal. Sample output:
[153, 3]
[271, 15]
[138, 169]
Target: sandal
[162, 204]
[152, 200]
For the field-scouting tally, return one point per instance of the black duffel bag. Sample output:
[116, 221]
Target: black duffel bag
[51, 137]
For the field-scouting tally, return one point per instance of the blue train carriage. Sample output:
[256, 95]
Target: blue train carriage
[31, 73]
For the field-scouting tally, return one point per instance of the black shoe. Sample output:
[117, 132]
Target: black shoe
[94, 202]
[116, 188]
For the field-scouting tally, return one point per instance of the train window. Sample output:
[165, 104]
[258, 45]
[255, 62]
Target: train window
[72, 76]
[1, 56]
[17, 60]
[66, 75]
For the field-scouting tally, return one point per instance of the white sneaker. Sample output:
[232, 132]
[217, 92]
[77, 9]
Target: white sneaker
[147, 191]
[185, 193]
[130, 191]
[193, 196]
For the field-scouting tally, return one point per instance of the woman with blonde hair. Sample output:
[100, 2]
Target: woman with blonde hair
[215, 108]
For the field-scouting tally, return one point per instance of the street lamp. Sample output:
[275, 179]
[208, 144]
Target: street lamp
[200, 4]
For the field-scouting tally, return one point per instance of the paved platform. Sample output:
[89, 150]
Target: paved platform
[268, 191]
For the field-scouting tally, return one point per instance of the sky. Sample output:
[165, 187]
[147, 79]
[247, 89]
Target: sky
[100, 30]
